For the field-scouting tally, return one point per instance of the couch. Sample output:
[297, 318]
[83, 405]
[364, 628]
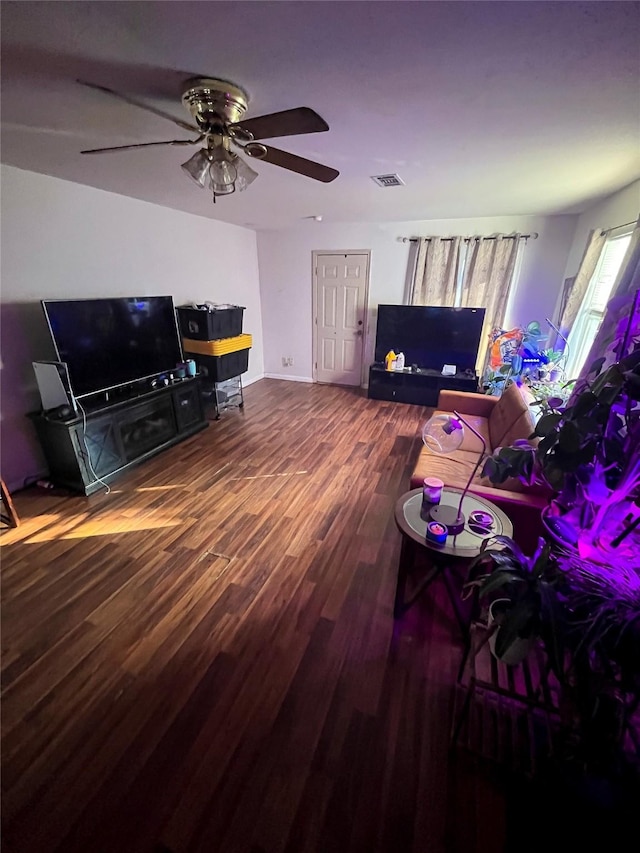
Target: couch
[500, 421]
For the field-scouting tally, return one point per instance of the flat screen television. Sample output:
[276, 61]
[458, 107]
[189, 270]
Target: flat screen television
[107, 343]
[430, 336]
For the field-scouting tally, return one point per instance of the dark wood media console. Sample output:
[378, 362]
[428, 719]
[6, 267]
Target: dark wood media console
[118, 434]
[420, 388]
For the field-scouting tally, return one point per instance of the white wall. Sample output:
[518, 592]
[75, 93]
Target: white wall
[286, 274]
[617, 209]
[63, 240]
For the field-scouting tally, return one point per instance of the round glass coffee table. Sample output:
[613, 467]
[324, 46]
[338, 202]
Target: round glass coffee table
[461, 547]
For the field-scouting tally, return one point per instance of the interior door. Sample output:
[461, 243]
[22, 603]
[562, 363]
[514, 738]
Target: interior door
[340, 300]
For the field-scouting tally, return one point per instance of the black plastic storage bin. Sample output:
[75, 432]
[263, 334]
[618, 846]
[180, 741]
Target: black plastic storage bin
[210, 324]
[217, 368]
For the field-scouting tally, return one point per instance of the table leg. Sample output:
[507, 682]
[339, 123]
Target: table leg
[454, 598]
[407, 555]
[401, 605]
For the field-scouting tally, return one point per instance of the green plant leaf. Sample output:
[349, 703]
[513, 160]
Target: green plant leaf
[569, 437]
[542, 560]
[588, 426]
[609, 395]
[554, 477]
[548, 424]
[512, 546]
[630, 361]
[555, 402]
[490, 468]
[584, 404]
[519, 622]
[547, 443]
[611, 378]
[497, 580]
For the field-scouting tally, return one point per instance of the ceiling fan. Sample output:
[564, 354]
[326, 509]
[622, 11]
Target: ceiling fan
[217, 108]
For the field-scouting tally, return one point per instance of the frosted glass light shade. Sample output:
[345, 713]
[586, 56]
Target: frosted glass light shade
[197, 167]
[246, 174]
[442, 434]
[223, 175]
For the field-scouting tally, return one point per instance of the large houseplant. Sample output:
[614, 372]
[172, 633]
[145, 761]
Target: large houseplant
[587, 617]
[582, 590]
[588, 453]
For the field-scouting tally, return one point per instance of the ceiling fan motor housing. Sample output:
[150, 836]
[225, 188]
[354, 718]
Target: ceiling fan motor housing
[213, 103]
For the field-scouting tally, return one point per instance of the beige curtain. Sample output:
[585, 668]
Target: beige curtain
[619, 306]
[575, 288]
[434, 278]
[487, 282]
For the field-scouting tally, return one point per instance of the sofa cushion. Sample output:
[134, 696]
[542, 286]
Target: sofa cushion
[522, 428]
[452, 470]
[455, 471]
[509, 409]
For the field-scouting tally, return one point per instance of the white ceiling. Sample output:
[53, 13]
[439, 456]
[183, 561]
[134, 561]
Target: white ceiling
[482, 108]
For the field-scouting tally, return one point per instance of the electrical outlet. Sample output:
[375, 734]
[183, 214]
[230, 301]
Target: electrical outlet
[287, 361]
[290, 362]
[284, 361]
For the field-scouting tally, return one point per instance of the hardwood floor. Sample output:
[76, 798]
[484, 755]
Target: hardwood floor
[205, 659]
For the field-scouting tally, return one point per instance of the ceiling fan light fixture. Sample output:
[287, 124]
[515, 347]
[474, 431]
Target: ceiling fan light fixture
[197, 167]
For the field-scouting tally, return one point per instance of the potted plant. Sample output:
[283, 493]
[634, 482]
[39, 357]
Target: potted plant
[586, 586]
[588, 453]
[518, 592]
[587, 620]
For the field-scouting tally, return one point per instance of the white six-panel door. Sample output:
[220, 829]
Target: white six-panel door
[340, 301]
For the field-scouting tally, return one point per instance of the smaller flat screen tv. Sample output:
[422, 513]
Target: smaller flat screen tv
[106, 343]
[430, 336]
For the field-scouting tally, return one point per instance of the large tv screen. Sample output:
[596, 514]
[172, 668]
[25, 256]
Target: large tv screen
[110, 342]
[430, 336]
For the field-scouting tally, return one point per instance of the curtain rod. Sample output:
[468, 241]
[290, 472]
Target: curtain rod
[624, 225]
[533, 236]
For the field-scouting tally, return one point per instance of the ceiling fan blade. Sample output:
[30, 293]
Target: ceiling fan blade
[298, 164]
[285, 123]
[134, 103]
[143, 145]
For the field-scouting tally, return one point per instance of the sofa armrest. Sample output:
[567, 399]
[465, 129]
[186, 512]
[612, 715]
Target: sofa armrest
[466, 403]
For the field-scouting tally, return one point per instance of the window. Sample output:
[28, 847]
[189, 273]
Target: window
[595, 302]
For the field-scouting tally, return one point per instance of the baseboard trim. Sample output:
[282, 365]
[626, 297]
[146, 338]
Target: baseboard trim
[288, 378]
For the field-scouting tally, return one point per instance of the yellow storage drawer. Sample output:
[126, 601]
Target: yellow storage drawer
[223, 346]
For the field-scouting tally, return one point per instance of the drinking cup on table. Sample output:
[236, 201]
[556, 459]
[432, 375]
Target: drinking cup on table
[432, 490]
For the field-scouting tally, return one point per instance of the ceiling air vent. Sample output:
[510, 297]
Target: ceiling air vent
[387, 180]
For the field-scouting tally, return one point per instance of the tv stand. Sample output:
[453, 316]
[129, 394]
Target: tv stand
[111, 437]
[420, 388]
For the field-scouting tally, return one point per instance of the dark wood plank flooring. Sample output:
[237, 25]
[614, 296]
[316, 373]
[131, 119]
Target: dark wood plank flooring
[205, 659]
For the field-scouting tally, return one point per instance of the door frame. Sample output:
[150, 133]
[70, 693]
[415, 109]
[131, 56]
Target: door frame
[315, 253]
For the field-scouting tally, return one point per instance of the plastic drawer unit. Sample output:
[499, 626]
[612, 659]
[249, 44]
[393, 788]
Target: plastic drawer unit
[223, 395]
